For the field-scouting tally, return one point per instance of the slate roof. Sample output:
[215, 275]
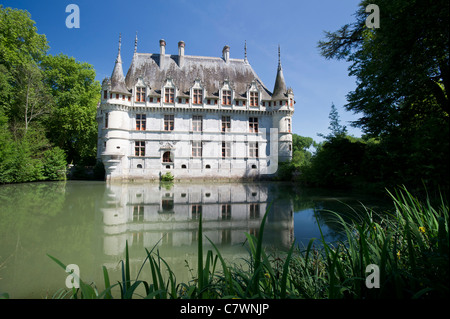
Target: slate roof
[117, 78]
[279, 89]
[211, 71]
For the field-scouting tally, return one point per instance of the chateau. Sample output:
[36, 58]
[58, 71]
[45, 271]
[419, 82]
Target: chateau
[195, 117]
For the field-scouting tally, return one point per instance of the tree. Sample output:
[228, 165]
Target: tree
[402, 68]
[54, 164]
[301, 154]
[21, 48]
[72, 125]
[336, 129]
[31, 95]
[402, 73]
[337, 161]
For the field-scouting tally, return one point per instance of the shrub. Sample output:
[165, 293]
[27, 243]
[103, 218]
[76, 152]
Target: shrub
[54, 164]
[167, 177]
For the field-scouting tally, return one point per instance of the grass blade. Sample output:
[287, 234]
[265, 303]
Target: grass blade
[285, 271]
[107, 283]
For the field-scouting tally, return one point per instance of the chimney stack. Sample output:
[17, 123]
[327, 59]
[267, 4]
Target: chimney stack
[181, 53]
[162, 52]
[226, 53]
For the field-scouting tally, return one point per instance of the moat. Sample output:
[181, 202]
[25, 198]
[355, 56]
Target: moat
[88, 223]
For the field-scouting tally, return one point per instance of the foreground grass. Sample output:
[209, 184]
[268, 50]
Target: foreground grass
[410, 248]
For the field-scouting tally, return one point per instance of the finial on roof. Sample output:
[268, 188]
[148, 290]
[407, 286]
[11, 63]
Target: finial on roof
[245, 51]
[120, 41]
[279, 89]
[135, 43]
[119, 59]
[279, 57]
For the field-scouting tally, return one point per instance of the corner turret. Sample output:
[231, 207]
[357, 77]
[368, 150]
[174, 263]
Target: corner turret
[283, 101]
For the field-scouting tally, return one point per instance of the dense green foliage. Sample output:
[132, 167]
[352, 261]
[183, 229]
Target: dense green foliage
[410, 247]
[72, 124]
[47, 105]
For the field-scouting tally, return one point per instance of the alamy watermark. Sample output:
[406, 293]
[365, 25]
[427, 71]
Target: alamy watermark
[73, 19]
[373, 20]
[73, 279]
[373, 279]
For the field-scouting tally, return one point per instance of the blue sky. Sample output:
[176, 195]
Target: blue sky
[206, 26]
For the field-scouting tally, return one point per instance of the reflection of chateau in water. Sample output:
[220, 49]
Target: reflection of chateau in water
[148, 214]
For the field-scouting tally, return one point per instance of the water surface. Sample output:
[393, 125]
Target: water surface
[88, 224]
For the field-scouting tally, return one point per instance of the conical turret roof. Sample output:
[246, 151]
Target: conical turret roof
[117, 77]
[279, 90]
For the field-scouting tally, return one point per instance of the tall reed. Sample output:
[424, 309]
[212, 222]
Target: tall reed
[410, 247]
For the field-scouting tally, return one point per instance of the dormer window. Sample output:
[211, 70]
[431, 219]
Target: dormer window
[226, 97]
[140, 94]
[254, 99]
[169, 95]
[198, 96]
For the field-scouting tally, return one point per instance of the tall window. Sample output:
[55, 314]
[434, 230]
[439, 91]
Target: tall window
[196, 149]
[226, 149]
[139, 148]
[254, 211]
[253, 125]
[254, 99]
[253, 150]
[138, 213]
[140, 122]
[140, 94]
[106, 119]
[226, 211]
[288, 125]
[226, 124]
[167, 205]
[166, 157]
[226, 97]
[169, 95]
[197, 123]
[198, 96]
[196, 211]
[168, 122]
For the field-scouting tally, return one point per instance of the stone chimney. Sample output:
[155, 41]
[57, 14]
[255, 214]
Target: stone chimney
[180, 53]
[226, 53]
[162, 52]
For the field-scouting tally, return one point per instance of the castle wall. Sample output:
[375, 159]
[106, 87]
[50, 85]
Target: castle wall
[248, 154]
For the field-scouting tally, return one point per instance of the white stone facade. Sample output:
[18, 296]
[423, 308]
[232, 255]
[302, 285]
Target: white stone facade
[195, 117]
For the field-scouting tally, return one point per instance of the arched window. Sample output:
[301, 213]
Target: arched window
[167, 157]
